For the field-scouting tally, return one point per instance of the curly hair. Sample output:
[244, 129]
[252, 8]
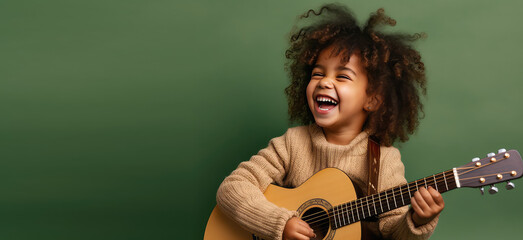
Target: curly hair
[395, 71]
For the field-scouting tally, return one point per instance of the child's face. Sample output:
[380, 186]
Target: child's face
[337, 94]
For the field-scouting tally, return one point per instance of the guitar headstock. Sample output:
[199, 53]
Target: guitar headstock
[495, 168]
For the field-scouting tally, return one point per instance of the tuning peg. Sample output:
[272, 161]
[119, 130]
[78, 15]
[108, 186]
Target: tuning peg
[493, 189]
[502, 150]
[510, 185]
[491, 154]
[482, 190]
[475, 159]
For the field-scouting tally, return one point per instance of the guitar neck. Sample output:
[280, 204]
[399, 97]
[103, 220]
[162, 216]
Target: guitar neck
[373, 205]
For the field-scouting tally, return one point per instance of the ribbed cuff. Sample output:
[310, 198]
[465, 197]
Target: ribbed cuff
[423, 230]
[282, 220]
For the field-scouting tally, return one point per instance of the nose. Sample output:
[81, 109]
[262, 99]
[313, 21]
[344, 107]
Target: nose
[325, 83]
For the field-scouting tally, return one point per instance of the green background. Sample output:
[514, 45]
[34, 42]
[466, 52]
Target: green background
[119, 119]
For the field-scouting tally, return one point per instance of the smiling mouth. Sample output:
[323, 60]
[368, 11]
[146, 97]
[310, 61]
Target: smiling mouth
[326, 103]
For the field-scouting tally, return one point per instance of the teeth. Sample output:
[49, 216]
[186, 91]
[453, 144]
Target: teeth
[325, 99]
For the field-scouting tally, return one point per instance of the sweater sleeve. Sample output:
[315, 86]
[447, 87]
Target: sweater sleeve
[397, 224]
[240, 196]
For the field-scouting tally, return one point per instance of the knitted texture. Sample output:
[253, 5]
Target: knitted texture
[290, 160]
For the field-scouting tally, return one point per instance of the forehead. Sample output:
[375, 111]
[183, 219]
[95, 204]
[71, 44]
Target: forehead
[341, 57]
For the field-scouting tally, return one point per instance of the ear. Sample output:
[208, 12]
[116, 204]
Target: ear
[373, 103]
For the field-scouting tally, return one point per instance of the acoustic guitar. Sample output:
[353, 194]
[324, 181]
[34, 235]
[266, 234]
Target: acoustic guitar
[328, 203]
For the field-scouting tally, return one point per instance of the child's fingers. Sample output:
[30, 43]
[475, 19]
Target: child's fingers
[421, 201]
[306, 231]
[427, 197]
[306, 225]
[303, 223]
[297, 236]
[415, 206]
[297, 229]
[438, 199]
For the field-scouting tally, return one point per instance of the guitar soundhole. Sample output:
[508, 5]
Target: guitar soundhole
[318, 220]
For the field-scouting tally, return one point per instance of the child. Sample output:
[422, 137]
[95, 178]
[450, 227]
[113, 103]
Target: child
[347, 83]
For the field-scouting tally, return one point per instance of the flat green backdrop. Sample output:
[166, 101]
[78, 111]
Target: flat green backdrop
[119, 119]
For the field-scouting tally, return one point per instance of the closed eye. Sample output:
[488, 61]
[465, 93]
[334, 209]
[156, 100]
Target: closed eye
[345, 77]
[316, 75]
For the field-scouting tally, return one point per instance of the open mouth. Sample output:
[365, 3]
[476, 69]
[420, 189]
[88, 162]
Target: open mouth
[326, 103]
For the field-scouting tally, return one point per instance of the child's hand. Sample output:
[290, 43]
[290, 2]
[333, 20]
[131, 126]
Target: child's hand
[427, 204]
[297, 229]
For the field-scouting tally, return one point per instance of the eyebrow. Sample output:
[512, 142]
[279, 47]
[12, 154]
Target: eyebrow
[339, 68]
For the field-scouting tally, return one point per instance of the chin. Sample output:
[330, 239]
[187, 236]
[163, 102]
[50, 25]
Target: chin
[324, 123]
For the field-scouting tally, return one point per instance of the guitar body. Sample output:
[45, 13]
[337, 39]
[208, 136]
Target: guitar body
[327, 188]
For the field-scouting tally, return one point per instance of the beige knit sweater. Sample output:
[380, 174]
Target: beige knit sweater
[289, 161]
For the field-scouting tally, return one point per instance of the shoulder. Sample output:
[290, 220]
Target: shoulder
[293, 136]
[298, 133]
[392, 170]
[294, 139]
[391, 159]
[390, 153]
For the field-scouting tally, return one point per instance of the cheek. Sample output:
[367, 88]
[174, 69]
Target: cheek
[309, 91]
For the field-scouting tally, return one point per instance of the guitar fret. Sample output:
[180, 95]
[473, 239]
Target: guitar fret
[341, 213]
[343, 216]
[387, 200]
[435, 183]
[394, 197]
[381, 205]
[348, 213]
[402, 199]
[374, 204]
[352, 213]
[362, 210]
[339, 217]
[334, 214]
[368, 207]
[356, 208]
[444, 177]
[358, 211]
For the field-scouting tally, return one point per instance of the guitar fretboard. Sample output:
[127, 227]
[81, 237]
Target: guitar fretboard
[373, 205]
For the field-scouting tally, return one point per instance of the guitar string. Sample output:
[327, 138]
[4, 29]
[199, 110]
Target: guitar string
[343, 211]
[354, 205]
[409, 187]
[323, 216]
[475, 178]
[472, 168]
[361, 205]
[365, 203]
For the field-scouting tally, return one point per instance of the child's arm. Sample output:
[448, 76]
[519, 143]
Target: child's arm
[403, 223]
[240, 196]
